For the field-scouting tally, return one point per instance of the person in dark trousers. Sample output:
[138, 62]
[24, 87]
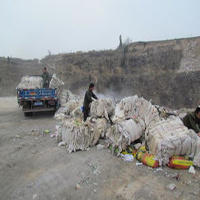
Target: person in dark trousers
[192, 120]
[45, 77]
[89, 95]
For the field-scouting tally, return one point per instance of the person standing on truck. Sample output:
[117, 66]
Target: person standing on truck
[192, 120]
[45, 77]
[89, 97]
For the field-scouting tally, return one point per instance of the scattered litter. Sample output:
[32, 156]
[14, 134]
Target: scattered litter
[95, 191]
[95, 183]
[47, 131]
[35, 196]
[159, 170]
[61, 144]
[96, 168]
[137, 146]
[188, 183]
[17, 136]
[34, 132]
[34, 151]
[175, 176]
[53, 135]
[78, 186]
[171, 186]
[127, 157]
[100, 146]
[138, 163]
[192, 170]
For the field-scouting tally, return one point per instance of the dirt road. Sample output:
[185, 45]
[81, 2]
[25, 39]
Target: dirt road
[32, 166]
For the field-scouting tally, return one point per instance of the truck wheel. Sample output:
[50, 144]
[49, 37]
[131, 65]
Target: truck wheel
[27, 114]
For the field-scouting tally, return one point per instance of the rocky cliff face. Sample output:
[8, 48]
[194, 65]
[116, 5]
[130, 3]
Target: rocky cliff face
[165, 71]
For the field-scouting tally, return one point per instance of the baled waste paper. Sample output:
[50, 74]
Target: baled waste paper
[134, 118]
[66, 96]
[30, 82]
[196, 160]
[55, 82]
[123, 133]
[33, 82]
[133, 106]
[170, 137]
[102, 108]
[81, 136]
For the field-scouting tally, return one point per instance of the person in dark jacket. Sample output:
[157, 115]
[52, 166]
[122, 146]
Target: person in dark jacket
[45, 77]
[89, 96]
[192, 120]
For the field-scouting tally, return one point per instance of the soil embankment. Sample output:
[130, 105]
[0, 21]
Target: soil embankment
[165, 71]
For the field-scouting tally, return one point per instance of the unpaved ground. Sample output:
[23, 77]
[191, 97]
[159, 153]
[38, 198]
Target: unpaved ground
[32, 166]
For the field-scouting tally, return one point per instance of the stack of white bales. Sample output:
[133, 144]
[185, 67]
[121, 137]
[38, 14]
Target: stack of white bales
[81, 136]
[66, 96]
[30, 82]
[102, 108]
[78, 135]
[170, 137]
[55, 82]
[123, 133]
[132, 116]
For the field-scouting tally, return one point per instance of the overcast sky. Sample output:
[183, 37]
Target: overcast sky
[29, 28]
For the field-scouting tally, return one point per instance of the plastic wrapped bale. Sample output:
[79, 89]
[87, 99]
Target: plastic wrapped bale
[128, 104]
[30, 82]
[100, 125]
[196, 160]
[139, 107]
[80, 136]
[119, 114]
[102, 108]
[55, 82]
[67, 95]
[70, 106]
[77, 112]
[76, 136]
[123, 133]
[170, 137]
[63, 97]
